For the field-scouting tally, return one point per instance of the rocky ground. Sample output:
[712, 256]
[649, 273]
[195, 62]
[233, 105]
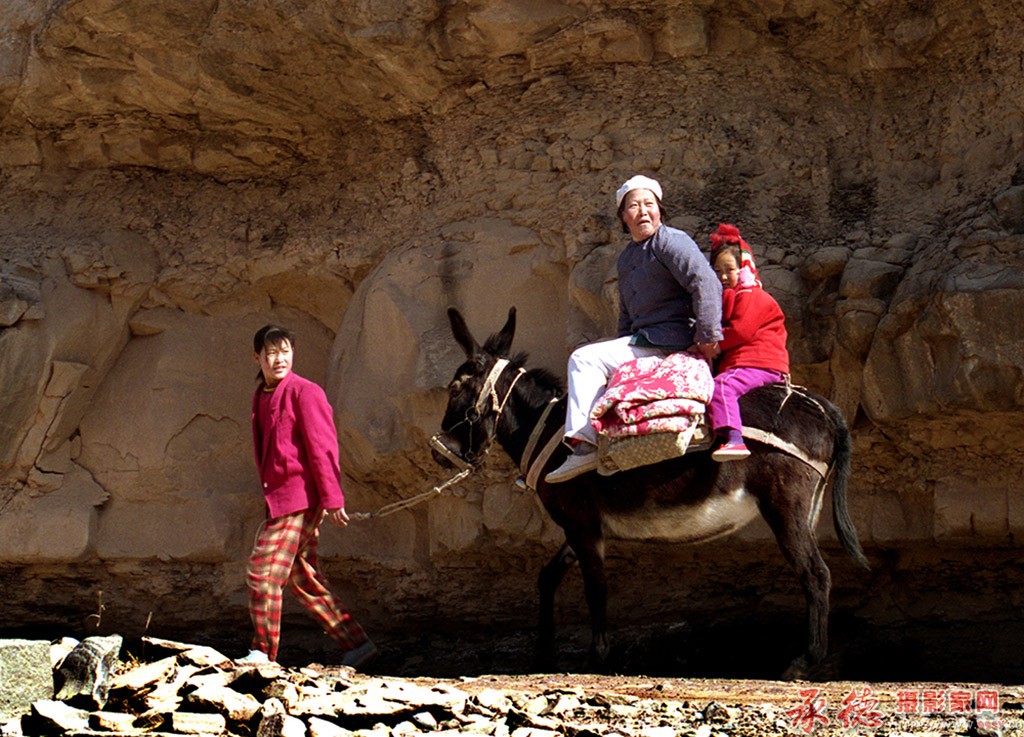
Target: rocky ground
[164, 687]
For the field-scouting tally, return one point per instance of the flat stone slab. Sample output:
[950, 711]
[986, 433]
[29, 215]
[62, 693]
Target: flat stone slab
[26, 676]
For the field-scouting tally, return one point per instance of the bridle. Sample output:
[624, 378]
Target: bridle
[488, 395]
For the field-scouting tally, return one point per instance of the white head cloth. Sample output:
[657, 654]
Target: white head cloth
[637, 182]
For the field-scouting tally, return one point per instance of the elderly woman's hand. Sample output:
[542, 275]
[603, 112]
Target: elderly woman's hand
[711, 351]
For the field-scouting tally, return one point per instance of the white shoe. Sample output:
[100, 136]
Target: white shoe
[359, 656]
[730, 452]
[253, 658]
[574, 465]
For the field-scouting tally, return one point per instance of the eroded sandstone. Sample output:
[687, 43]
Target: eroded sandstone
[174, 175]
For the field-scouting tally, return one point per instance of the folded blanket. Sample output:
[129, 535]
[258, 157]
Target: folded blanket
[654, 394]
[676, 424]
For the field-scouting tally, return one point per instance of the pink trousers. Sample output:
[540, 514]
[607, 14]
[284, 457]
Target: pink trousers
[730, 385]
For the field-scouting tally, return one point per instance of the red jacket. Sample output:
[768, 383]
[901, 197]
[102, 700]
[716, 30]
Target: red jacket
[296, 447]
[755, 331]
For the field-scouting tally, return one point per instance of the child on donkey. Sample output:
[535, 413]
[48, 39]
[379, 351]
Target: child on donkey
[754, 344]
[296, 447]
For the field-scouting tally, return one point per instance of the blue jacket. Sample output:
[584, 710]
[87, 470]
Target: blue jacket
[669, 295]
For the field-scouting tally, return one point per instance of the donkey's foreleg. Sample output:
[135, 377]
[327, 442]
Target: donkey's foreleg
[547, 584]
[590, 552]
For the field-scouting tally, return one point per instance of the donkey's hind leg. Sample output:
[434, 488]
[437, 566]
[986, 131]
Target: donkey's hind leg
[547, 584]
[788, 512]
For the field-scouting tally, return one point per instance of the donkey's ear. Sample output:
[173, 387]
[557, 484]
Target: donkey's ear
[462, 334]
[500, 343]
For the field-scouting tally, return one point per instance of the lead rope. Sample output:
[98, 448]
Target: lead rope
[413, 500]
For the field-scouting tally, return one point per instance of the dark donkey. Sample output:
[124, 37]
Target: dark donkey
[688, 499]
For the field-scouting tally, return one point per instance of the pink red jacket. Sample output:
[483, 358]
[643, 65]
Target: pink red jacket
[755, 331]
[296, 448]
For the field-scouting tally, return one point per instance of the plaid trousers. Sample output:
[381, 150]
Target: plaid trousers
[285, 553]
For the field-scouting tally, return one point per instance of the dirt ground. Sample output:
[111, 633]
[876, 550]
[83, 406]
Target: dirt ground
[758, 707]
[660, 686]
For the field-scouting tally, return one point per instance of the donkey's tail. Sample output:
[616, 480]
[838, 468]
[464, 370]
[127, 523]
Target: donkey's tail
[842, 453]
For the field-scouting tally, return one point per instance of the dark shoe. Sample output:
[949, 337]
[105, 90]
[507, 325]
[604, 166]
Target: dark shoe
[730, 452]
[359, 656]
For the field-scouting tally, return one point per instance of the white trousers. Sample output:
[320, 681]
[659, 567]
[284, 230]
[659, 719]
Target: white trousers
[590, 367]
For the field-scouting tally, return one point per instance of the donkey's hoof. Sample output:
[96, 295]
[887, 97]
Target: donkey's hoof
[600, 649]
[798, 670]
[805, 669]
[544, 663]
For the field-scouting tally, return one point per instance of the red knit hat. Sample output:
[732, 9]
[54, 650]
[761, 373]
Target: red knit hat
[728, 234]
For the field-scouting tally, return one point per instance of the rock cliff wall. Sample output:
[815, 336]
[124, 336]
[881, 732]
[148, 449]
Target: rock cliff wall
[173, 175]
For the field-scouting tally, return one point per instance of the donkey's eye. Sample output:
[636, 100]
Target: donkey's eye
[458, 384]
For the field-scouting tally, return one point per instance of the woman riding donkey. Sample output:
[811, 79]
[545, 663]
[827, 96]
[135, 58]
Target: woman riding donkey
[669, 300]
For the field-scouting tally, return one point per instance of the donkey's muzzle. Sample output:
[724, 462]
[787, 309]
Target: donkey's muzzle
[445, 455]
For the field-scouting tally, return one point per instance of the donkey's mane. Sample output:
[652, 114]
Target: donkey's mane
[544, 382]
[542, 377]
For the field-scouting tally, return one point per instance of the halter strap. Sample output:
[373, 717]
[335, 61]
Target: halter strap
[489, 390]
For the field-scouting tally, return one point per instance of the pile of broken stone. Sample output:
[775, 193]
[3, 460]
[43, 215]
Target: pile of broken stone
[177, 688]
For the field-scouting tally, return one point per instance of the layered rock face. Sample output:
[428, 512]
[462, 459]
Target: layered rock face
[173, 175]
